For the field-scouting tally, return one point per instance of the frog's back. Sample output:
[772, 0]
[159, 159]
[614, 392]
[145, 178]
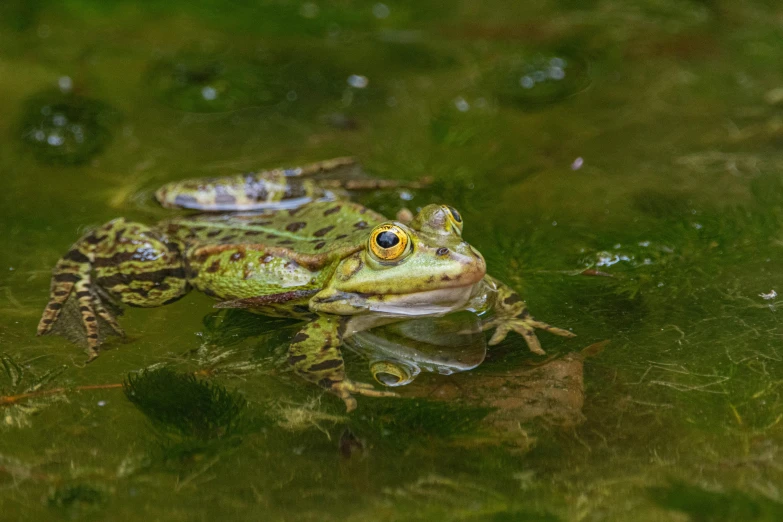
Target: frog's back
[234, 256]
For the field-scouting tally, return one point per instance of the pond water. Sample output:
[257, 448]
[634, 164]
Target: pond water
[618, 163]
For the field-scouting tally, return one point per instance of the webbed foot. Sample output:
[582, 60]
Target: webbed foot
[510, 313]
[524, 325]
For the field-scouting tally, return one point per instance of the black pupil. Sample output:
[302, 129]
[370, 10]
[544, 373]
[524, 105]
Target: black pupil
[387, 239]
[456, 215]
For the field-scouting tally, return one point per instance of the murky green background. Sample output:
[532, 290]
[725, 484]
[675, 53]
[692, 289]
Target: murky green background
[675, 108]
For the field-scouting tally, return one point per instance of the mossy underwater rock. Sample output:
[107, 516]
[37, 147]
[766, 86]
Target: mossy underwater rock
[65, 128]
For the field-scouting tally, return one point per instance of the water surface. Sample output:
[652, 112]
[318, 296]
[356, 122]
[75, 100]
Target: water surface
[616, 162]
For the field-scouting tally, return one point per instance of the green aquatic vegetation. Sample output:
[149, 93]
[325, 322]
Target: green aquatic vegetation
[20, 14]
[24, 392]
[702, 505]
[190, 415]
[403, 421]
[77, 497]
[66, 128]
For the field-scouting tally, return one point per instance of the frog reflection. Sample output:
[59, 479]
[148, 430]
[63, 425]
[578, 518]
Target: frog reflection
[399, 352]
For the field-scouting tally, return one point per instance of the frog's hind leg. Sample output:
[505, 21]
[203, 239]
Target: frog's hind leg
[315, 356]
[121, 261]
[268, 189]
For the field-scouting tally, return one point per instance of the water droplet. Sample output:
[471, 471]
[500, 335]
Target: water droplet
[461, 104]
[291, 96]
[65, 83]
[209, 93]
[55, 140]
[557, 62]
[556, 73]
[527, 82]
[358, 81]
[59, 120]
[577, 164]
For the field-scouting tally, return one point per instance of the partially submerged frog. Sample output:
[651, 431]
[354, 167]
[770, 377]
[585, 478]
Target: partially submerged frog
[336, 264]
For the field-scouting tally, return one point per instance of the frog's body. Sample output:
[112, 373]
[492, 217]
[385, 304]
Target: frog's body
[337, 264]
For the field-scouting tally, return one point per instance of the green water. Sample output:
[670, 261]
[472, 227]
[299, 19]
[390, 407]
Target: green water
[666, 406]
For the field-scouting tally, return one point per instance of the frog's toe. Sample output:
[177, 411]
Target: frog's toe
[345, 390]
[527, 332]
[551, 329]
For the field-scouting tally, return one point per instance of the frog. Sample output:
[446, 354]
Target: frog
[332, 263]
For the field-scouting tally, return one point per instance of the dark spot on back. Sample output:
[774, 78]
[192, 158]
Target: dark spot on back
[293, 359]
[66, 278]
[236, 256]
[322, 232]
[76, 256]
[342, 236]
[513, 298]
[266, 259]
[320, 245]
[214, 267]
[332, 210]
[361, 224]
[326, 365]
[213, 233]
[442, 251]
[295, 226]
[300, 337]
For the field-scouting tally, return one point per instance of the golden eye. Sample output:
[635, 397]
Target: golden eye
[455, 217]
[391, 374]
[388, 242]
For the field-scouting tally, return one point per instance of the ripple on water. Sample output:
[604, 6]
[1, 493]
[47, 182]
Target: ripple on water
[531, 80]
[66, 128]
[198, 81]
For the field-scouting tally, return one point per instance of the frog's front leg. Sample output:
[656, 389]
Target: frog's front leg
[510, 313]
[315, 356]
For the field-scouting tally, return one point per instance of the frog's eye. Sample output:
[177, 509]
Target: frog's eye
[389, 242]
[455, 217]
[391, 374]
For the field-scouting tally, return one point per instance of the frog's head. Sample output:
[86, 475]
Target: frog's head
[422, 268]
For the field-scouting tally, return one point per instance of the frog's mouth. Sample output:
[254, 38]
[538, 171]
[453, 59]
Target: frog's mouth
[425, 303]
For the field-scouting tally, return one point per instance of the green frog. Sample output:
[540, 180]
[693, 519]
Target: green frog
[333, 263]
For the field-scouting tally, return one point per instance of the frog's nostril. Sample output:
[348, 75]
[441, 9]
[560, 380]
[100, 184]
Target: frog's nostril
[442, 251]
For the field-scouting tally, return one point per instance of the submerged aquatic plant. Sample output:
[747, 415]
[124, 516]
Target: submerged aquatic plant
[77, 497]
[186, 409]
